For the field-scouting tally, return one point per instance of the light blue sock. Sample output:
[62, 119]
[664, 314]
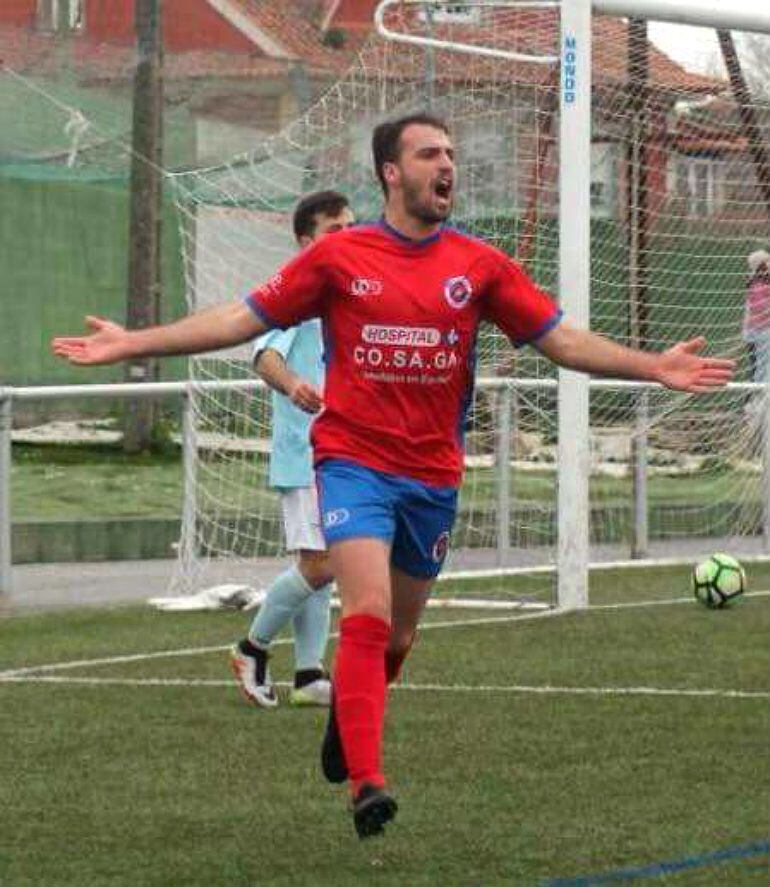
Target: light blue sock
[285, 595]
[311, 629]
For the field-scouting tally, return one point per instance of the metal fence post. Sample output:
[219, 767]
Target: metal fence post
[6, 406]
[188, 544]
[764, 433]
[503, 475]
[640, 532]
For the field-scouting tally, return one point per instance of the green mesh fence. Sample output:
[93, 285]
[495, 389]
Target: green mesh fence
[63, 254]
[64, 194]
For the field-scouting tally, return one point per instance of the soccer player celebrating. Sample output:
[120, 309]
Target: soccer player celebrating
[291, 363]
[401, 301]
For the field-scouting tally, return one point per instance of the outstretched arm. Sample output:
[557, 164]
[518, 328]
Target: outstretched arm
[208, 330]
[273, 369]
[680, 367]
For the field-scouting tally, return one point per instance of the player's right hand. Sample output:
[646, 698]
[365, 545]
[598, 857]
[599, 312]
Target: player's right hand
[107, 343]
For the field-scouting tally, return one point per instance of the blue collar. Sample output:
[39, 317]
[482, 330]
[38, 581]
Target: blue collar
[409, 241]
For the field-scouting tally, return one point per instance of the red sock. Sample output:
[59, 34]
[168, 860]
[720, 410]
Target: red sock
[359, 695]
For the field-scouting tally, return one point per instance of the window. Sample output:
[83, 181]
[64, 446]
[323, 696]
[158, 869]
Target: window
[60, 15]
[488, 165]
[603, 180]
[451, 13]
[76, 17]
[698, 183]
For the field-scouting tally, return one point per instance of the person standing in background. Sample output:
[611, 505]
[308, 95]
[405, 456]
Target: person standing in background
[291, 362]
[756, 317]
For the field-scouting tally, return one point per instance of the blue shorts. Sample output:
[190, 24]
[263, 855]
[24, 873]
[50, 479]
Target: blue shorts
[413, 518]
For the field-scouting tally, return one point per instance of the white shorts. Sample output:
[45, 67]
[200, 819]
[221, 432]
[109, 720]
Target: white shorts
[301, 522]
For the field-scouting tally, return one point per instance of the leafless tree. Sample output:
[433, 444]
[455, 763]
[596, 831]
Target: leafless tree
[755, 55]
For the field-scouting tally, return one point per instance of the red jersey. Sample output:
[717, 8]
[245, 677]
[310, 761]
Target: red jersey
[400, 319]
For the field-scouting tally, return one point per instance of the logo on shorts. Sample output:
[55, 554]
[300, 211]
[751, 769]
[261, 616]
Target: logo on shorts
[336, 517]
[458, 291]
[440, 547]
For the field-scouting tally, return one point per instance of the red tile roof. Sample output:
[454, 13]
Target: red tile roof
[295, 25]
[355, 14]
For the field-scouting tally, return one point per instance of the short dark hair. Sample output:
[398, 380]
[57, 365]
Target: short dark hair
[319, 203]
[386, 139]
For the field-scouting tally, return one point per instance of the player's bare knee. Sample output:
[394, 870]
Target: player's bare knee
[366, 601]
[315, 568]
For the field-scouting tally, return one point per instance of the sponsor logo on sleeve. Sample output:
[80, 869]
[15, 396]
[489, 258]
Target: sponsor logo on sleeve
[271, 287]
[274, 284]
[458, 291]
[365, 286]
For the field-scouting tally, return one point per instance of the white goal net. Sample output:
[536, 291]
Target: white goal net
[678, 205]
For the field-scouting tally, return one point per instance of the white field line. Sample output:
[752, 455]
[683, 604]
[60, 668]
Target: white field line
[196, 651]
[418, 688]
[9, 674]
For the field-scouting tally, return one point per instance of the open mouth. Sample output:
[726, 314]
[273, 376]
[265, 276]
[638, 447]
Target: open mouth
[443, 189]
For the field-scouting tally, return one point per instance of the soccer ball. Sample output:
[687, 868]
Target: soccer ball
[718, 580]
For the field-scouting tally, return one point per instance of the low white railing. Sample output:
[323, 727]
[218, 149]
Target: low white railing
[186, 389]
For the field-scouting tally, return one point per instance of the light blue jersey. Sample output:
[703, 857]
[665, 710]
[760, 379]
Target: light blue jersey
[291, 458]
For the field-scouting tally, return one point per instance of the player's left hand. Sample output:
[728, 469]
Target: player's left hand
[681, 367]
[306, 396]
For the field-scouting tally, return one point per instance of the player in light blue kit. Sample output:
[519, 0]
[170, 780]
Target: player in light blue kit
[291, 363]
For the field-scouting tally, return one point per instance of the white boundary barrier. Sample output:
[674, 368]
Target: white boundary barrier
[187, 390]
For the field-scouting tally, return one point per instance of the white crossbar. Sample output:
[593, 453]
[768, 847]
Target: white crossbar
[704, 13]
[468, 48]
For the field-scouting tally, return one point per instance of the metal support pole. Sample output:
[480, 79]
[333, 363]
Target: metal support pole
[6, 405]
[145, 218]
[504, 399]
[188, 545]
[764, 431]
[430, 60]
[638, 216]
[640, 539]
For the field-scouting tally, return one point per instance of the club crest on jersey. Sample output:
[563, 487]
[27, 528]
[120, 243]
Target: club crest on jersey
[458, 291]
[440, 547]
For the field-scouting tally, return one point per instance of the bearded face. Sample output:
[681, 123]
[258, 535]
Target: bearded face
[429, 201]
[424, 174]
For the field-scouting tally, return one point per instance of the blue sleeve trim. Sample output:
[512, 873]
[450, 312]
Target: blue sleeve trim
[546, 327]
[263, 315]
